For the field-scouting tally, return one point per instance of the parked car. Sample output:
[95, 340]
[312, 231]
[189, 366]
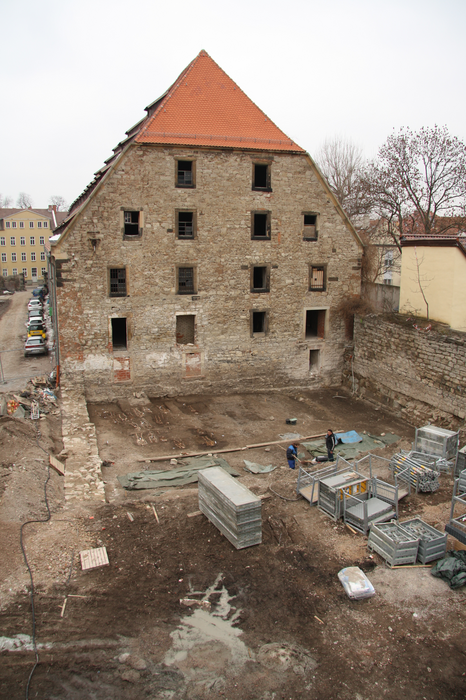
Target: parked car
[34, 320]
[34, 304]
[36, 329]
[8, 291]
[38, 292]
[36, 311]
[35, 346]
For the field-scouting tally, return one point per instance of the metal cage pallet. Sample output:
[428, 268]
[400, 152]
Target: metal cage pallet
[432, 542]
[393, 543]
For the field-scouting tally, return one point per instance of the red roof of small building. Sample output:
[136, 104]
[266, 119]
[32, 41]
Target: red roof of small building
[204, 107]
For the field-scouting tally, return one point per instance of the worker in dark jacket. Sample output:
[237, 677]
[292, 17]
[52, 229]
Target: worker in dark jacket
[291, 454]
[330, 442]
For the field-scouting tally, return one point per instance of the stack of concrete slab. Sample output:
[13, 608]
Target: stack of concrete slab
[231, 507]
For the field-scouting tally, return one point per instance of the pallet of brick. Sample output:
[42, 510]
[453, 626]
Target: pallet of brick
[395, 545]
[231, 507]
[432, 542]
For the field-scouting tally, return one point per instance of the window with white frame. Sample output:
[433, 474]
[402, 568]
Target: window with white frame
[44, 270]
[31, 224]
[42, 256]
[14, 271]
[33, 271]
[3, 257]
[2, 240]
[13, 224]
[25, 271]
[12, 240]
[46, 224]
[5, 272]
[39, 224]
[32, 240]
[21, 224]
[41, 240]
[22, 240]
[24, 257]
[33, 257]
[7, 224]
[13, 257]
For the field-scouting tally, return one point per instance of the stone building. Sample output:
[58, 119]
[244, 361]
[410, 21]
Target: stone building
[208, 254]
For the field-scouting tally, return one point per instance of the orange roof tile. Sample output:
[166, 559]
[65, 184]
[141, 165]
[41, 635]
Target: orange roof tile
[204, 107]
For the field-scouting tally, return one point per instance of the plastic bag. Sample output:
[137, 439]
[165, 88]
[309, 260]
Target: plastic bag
[356, 583]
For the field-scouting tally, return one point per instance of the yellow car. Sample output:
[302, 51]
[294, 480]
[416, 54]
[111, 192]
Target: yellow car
[36, 329]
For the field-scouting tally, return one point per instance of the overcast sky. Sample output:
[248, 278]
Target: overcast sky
[77, 75]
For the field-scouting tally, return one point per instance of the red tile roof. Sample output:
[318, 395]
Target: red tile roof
[204, 107]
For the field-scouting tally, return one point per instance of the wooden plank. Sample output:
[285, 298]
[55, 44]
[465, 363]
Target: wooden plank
[93, 558]
[57, 465]
[186, 455]
[193, 515]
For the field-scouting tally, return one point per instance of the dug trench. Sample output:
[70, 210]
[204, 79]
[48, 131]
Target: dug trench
[271, 621]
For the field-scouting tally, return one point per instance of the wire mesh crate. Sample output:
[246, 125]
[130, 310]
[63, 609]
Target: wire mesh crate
[432, 542]
[395, 545]
[432, 440]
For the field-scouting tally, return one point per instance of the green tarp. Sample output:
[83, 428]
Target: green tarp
[452, 568]
[184, 473]
[368, 444]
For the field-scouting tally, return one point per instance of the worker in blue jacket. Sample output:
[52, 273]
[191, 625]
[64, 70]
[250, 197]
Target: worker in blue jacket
[292, 454]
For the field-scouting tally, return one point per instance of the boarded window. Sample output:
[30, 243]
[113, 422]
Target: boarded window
[185, 280]
[317, 278]
[185, 173]
[315, 323]
[185, 329]
[118, 282]
[131, 223]
[119, 336]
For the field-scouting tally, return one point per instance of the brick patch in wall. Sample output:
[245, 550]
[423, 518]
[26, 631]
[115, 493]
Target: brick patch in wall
[193, 364]
[121, 369]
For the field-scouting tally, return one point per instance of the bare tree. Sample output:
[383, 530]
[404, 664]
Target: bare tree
[24, 200]
[59, 202]
[418, 182]
[342, 163]
[5, 202]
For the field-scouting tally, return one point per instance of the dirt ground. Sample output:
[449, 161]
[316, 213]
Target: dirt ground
[272, 621]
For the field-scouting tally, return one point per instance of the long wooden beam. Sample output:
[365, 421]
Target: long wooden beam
[184, 455]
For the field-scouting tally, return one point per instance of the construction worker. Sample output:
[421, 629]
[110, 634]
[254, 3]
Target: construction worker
[291, 454]
[330, 442]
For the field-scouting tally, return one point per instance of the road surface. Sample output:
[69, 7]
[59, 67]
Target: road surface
[15, 369]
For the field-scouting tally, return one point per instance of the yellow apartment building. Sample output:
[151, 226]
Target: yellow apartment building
[23, 233]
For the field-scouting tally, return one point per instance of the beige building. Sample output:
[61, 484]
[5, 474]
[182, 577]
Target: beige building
[433, 278]
[207, 255]
[23, 234]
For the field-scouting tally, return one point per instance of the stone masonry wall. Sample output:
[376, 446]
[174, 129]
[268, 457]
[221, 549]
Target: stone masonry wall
[225, 355]
[420, 374]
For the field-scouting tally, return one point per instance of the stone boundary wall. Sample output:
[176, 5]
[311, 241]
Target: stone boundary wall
[420, 374]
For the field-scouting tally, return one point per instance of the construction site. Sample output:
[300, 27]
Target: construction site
[181, 557]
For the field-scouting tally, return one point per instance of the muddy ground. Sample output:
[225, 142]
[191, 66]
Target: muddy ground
[272, 621]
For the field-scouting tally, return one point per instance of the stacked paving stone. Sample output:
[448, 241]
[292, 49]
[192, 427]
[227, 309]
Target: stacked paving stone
[231, 507]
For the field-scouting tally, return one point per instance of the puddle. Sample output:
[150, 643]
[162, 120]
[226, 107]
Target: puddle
[207, 640]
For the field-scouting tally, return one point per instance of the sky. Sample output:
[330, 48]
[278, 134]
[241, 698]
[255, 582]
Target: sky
[77, 75]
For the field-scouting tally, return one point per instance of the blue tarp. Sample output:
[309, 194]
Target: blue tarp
[349, 437]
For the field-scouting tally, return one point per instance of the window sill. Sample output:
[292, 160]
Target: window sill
[261, 238]
[185, 187]
[260, 291]
[261, 189]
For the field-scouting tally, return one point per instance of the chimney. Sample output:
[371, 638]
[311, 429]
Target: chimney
[52, 207]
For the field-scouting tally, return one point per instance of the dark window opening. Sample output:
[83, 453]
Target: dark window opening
[258, 321]
[261, 225]
[310, 226]
[315, 324]
[185, 224]
[314, 358]
[261, 177]
[119, 333]
[118, 282]
[131, 223]
[185, 329]
[260, 279]
[317, 278]
[349, 327]
[185, 173]
[185, 280]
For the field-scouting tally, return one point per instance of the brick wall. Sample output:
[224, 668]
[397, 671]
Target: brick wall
[419, 374]
[224, 356]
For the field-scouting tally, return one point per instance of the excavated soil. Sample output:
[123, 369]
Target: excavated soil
[267, 622]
